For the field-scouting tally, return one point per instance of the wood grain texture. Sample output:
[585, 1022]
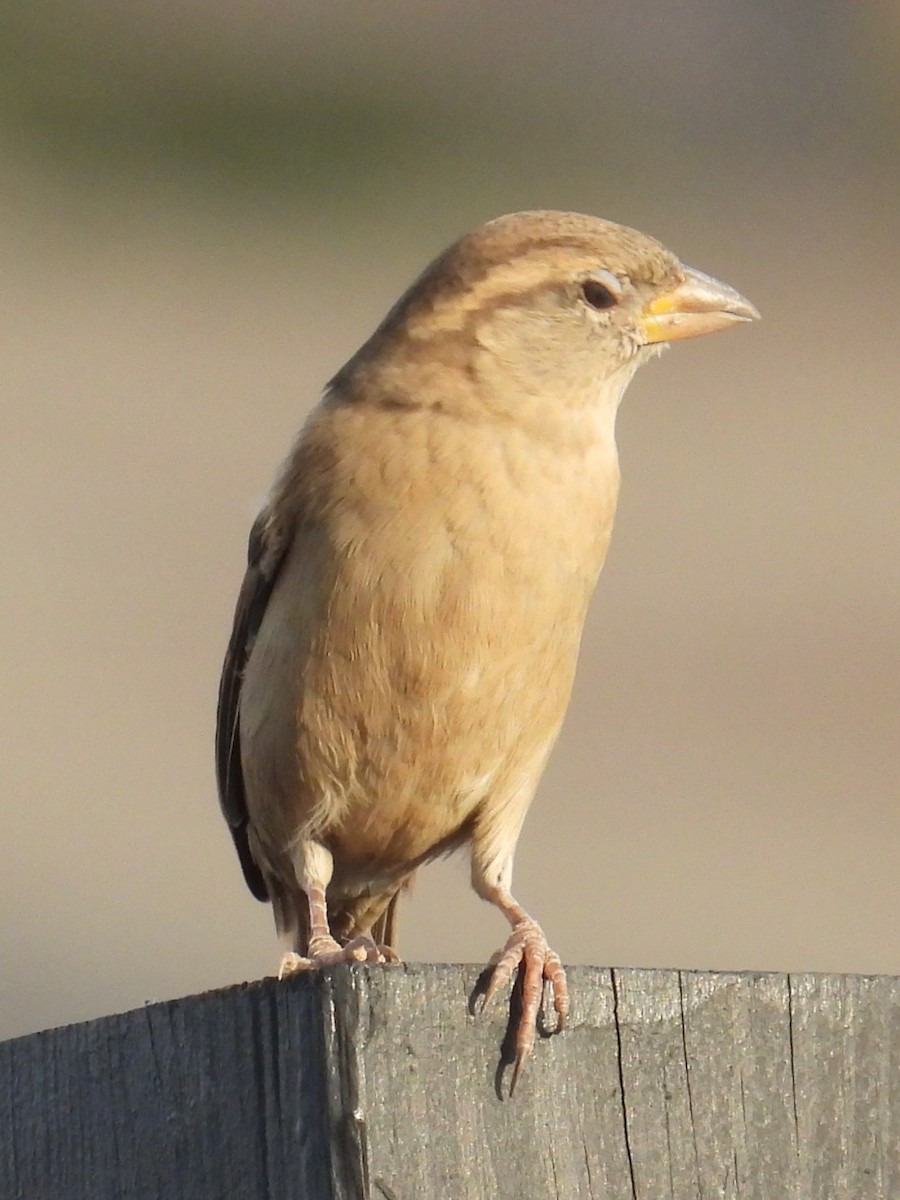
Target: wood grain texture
[377, 1084]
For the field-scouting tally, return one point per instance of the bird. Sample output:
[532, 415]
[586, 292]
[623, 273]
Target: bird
[407, 631]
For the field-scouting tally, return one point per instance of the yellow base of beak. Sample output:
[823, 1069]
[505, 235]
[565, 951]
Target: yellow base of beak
[697, 305]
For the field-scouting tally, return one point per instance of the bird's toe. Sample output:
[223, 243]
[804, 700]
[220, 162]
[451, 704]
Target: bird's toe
[527, 949]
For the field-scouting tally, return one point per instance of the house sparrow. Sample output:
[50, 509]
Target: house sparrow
[407, 631]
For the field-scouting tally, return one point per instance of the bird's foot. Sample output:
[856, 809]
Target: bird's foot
[326, 952]
[527, 947]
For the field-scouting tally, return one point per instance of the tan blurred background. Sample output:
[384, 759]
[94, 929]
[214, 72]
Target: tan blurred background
[206, 206]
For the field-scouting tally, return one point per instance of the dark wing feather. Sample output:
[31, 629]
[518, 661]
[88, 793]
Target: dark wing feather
[265, 554]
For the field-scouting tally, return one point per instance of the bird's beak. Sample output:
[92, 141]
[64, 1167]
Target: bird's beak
[699, 304]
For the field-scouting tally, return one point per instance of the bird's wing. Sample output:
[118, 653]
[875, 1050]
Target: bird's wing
[269, 542]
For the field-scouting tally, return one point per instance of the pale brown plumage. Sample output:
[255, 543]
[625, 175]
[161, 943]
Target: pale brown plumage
[407, 632]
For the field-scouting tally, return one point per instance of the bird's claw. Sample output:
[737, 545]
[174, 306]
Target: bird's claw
[326, 952]
[527, 947]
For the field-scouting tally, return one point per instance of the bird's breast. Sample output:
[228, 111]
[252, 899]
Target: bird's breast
[444, 660]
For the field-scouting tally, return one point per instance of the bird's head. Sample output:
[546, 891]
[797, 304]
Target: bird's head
[554, 303]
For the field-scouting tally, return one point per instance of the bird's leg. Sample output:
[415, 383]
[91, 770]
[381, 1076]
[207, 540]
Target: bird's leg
[527, 947]
[313, 866]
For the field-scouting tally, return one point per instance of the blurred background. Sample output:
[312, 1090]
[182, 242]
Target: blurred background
[205, 207]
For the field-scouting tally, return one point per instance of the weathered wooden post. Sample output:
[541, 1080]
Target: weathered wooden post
[376, 1084]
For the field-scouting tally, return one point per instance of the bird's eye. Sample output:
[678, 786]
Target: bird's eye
[601, 295]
